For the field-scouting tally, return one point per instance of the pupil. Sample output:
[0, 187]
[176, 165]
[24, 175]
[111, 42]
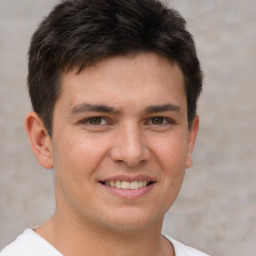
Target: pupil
[157, 120]
[95, 121]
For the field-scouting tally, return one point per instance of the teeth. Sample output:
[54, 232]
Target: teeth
[134, 185]
[126, 184]
[118, 184]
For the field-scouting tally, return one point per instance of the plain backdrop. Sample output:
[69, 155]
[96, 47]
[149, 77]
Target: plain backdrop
[216, 208]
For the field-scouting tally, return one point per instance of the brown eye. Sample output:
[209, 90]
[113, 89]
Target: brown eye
[157, 120]
[95, 120]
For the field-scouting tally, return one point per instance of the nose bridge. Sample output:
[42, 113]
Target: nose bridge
[129, 145]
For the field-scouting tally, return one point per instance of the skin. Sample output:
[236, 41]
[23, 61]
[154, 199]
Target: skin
[124, 118]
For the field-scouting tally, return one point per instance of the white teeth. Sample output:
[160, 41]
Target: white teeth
[126, 184]
[134, 185]
[118, 184]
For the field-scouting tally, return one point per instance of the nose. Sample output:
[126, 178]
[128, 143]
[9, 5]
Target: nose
[129, 146]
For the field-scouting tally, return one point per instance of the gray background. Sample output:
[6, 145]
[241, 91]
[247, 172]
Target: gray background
[216, 209]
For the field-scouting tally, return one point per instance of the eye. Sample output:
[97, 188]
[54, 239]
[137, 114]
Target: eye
[160, 120]
[157, 120]
[97, 120]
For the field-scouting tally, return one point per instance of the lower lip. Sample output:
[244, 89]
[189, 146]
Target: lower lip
[129, 193]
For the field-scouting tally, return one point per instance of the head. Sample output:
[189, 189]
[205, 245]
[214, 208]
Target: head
[114, 84]
[78, 34]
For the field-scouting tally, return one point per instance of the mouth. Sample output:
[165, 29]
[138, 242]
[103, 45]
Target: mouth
[127, 185]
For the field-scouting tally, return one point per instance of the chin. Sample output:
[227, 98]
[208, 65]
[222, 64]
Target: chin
[133, 221]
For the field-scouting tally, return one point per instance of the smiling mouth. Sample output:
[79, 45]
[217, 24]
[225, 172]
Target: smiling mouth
[133, 185]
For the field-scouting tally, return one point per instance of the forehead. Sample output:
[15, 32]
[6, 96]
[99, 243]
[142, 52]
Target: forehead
[125, 77]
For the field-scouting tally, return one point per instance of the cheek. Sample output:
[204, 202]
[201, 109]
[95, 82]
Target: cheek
[73, 167]
[172, 152]
[77, 157]
[171, 156]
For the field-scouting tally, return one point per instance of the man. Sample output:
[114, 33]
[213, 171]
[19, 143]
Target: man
[114, 86]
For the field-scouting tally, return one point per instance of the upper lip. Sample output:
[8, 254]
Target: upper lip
[129, 178]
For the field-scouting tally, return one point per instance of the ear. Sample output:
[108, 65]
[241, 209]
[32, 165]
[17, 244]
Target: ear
[191, 140]
[39, 139]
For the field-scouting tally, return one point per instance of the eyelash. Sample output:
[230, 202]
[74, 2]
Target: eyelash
[100, 119]
[91, 119]
[165, 121]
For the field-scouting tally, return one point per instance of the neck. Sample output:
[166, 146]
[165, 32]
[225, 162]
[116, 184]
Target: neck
[72, 239]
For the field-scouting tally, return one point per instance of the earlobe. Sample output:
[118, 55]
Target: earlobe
[39, 139]
[191, 141]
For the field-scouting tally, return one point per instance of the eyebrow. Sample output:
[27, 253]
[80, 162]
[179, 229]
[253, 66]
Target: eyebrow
[87, 107]
[162, 108]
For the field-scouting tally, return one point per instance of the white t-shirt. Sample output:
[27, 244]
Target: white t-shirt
[30, 243]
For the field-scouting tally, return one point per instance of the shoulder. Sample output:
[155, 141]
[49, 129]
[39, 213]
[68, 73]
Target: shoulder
[183, 250]
[29, 244]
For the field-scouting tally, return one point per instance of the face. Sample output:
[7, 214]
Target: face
[120, 142]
